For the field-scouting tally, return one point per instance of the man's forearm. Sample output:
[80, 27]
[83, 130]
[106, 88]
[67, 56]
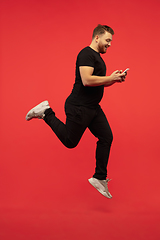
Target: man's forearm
[109, 84]
[98, 81]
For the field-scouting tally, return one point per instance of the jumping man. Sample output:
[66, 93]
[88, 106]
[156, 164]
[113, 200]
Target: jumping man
[82, 106]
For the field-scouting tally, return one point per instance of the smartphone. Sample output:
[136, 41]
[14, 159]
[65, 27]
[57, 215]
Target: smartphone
[125, 71]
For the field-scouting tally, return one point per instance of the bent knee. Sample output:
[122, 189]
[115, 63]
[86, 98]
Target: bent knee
[70, 144]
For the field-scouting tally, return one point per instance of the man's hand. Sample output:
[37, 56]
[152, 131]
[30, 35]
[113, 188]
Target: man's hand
[118, 76]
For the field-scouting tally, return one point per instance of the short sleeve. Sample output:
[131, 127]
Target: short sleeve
[86, 58]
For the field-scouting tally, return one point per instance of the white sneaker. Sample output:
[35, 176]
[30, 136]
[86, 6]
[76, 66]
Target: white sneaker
[38, 111]
[101, 186]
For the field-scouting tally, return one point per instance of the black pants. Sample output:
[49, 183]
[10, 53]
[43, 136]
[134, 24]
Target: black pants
[78, 118]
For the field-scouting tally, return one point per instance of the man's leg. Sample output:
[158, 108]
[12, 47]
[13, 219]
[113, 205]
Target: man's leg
[100, 128]
[71, 132]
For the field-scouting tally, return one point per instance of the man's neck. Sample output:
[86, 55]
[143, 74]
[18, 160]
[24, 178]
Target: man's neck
[94, 47]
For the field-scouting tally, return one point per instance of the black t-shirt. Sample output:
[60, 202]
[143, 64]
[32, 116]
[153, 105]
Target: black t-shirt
[88, 96]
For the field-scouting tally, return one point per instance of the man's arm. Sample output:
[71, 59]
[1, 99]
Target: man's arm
[90, 80]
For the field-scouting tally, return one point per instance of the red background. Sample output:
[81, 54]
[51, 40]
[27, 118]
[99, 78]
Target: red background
[43, 185]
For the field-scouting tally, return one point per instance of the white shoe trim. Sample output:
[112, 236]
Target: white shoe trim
[38, 111]
[100, 187]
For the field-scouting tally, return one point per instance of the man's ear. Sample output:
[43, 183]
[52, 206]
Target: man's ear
[96, 38]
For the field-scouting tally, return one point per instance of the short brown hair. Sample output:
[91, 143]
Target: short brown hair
[101, 29]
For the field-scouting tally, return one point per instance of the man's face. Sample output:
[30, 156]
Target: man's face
[104, 41]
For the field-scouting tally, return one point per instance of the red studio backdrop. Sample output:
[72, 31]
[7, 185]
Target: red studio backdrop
[44, 189]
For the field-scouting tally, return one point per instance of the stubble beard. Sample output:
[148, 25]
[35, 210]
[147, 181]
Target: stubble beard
[101, 48]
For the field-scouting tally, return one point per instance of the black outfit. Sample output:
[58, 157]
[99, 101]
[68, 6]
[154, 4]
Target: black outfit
[83, 110]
